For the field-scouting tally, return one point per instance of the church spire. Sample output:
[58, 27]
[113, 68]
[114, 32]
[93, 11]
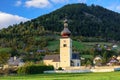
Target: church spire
[65, 32]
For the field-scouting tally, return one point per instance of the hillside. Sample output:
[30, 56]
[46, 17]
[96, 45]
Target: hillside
[88, 21]
[85, 22]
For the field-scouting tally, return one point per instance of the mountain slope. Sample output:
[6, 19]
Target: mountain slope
[85, 22]
[88, 21]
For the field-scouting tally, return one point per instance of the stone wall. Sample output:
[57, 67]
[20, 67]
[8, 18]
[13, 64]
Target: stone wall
[96, 69]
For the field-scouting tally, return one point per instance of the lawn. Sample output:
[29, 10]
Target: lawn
[69, 76]
[5, 50]
[53, 45]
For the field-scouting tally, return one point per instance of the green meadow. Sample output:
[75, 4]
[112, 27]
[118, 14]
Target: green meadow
[67, 76]
[53, 45]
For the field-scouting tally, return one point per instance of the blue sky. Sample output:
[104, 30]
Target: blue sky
[15, 11]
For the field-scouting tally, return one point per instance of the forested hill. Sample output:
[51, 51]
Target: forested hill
[88, 21]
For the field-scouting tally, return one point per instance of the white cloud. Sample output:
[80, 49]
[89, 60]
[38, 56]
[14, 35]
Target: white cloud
[118, 7]
[9, 19]
[59, 1]
[114, 7]
[37, 3]
[82, 1]
[18, 3]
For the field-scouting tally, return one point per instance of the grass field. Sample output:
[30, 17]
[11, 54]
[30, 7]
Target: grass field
[5, 49]
[75, 76]
[53, 45]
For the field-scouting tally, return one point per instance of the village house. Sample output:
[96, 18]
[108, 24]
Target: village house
[15, 61]
[113, 61]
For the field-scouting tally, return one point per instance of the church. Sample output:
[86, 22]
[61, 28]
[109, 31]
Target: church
[66, 58]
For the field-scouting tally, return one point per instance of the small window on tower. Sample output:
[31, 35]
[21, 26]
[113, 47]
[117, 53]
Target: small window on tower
[64, 45]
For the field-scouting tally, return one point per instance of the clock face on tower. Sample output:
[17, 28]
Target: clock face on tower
[64, 41]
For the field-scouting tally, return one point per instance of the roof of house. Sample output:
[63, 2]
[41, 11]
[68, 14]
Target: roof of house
[41, 50]
[14, 61]
[55, 58]
[75, 56]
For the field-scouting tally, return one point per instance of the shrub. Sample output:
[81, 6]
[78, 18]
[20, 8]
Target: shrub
[34, 69]
[88, 63]
[60, 68]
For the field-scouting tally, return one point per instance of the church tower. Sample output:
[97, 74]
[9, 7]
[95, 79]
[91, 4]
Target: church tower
[65, 46]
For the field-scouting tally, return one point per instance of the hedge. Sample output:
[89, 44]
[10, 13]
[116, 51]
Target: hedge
[34, 69]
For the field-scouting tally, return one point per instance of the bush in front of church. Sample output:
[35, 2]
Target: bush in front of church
[60, 68]
[34, 69]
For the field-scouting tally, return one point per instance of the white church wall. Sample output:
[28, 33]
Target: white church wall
[76, 62]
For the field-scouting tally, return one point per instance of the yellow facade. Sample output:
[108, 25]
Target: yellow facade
[65, 52]
[50, 62]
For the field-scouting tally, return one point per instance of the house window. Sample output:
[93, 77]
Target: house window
[64, 45]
